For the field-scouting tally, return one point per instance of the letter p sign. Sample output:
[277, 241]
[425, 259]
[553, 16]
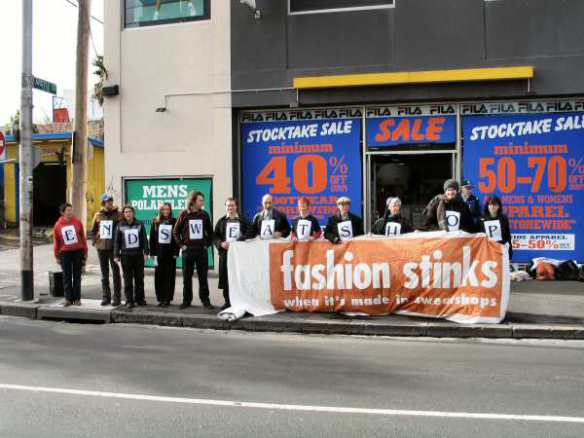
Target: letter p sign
[493, 230]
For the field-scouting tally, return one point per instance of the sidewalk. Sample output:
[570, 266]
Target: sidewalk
[536, 309]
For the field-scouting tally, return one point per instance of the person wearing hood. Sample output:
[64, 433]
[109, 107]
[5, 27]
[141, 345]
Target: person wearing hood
[193, 233]
[447, 211]
[496, 224]
[392, 223]
[131, 248]
[343, 225]
[305, 226]
[270, 223]
[102, 234]
[70, 248]
[163, 247]
[473, 203]
[230, 228]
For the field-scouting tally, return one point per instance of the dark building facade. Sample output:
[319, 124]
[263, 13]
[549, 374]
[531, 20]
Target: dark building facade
[490, 90]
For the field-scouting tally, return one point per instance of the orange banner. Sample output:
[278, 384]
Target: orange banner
[463, 279]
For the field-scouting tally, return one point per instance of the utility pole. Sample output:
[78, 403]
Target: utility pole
[26, 157]
[79, 153]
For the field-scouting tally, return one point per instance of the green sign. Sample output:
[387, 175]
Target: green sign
[41, 84]
[147, 195]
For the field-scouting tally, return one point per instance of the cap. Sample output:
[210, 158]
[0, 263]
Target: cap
[106, 197]
[466, 183]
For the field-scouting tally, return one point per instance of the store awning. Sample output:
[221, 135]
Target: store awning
[415, 77]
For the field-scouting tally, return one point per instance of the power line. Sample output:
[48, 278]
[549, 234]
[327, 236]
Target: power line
[92, 17]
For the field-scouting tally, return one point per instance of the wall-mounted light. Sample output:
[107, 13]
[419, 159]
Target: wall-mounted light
[161, 109]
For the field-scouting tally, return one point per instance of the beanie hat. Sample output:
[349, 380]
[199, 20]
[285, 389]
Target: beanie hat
[451, 184]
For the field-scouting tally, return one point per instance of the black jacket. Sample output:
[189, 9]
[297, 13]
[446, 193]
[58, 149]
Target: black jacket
[221, 228]
[163, 250]
[315, 230]
[438, 204]
[331, 232]
[505, 229]
[474, 205]
[379, 226]
[123, 238]
[182, 234]
[281, 224]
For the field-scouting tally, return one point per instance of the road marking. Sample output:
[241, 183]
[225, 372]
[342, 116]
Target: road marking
[286, 407]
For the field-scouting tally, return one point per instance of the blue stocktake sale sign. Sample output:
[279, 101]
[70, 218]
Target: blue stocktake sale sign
[319, 159]
[535, 163]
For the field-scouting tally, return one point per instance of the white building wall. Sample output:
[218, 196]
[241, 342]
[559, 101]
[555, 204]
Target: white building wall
[150, 64]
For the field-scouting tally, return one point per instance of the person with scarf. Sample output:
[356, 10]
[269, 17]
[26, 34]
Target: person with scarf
[447, 211]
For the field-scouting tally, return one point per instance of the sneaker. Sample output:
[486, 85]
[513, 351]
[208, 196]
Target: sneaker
[225, 306]
[106, 302]
[77, 303]
[160, 305]
[184, 306]
[116, 303]
[130, 304]
[140, 303]
[67, 303]
[208, 305]
[165, 304]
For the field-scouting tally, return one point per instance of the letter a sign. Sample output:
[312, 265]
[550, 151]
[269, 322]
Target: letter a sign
[267, 231]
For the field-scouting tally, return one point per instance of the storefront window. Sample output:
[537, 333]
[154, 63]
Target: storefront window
[152, 12]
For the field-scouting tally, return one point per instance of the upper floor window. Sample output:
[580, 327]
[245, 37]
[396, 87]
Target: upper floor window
[151, 12]
[296, 7]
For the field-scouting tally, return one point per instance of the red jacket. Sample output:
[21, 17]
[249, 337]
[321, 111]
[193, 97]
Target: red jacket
[69, 236]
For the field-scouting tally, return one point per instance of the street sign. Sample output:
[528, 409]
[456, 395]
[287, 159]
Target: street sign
[2, 147]
[41, 84]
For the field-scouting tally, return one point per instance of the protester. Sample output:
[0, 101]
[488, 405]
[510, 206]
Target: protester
[343, 225]
[270, 223]
[447, 211]
[495, 223]
[230, 228]
[164, 249]
[392, 223]
[305, 226]
[473, 203]
[70, 248]
[102, 233]
[193, 233]
[131, 247]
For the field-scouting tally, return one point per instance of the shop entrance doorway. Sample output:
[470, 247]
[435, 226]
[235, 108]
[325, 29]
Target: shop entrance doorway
[414, 178]
[49, 192]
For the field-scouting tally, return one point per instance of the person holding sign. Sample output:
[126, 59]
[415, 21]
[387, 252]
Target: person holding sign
[344, 225]
[193, 233]
[305, 226]
[447, 211]
[70, 248]
[270, 223]
[164, 248]
[392, 223]
[230, 228]
[102, 232]
[495, 223]
[131, 247]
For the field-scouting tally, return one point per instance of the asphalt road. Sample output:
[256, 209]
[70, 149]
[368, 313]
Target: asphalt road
[63, 380]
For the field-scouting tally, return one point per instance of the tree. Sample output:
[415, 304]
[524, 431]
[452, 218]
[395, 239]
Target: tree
[14, 120]
[102, 74]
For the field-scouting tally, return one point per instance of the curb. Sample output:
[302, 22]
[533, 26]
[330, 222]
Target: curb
[307, 325]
